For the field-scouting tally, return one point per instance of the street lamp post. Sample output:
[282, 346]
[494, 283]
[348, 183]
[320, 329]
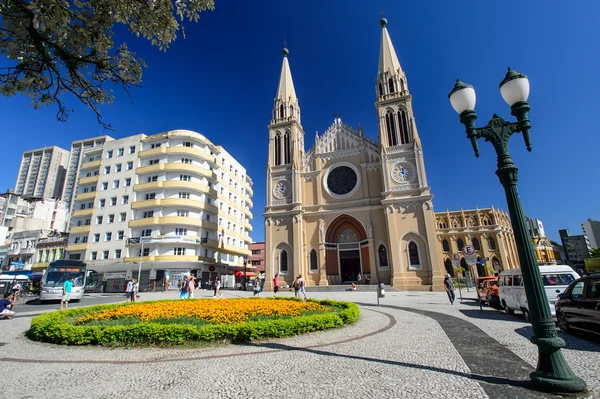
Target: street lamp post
[245, 265]
[552, 373]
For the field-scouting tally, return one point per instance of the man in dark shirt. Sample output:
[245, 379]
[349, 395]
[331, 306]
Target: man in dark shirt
[449, 288]
[5, 306]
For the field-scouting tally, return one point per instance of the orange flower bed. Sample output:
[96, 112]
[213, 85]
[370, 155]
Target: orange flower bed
[223, 311]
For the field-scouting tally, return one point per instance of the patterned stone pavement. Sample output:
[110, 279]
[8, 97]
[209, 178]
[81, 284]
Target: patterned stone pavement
[416, 345]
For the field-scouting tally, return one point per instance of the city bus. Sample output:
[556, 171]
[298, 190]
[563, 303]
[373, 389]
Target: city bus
[58, 272]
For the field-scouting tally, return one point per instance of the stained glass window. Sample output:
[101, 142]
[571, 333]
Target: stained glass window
[341, 180]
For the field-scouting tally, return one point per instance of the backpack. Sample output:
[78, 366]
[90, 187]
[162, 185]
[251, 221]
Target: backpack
[296, 284]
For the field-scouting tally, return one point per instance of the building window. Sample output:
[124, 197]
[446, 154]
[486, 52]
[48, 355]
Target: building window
[391, 85]
[115, 184]
[460, 243]
[283, 262]
[148, 214]
[129, 165]
[186, 160]
[120, 152]
[314, 264]
[128, 182]
[491, 243]
[476, 244]
[104, 254]
[98, 219]
[287, 147]
[102, 203]
[256, 252]
[111, 218]
[183, 213]
[150, 196]
[107, 170]
[108, 237]
[278, 148]
[180, 232]
[390, 124]
[93, 255]
[109, 154]
[125, 199]
[152, 179]
[446, 246]
[120, 235]
[123, 217]
[146, 252]
[146, 233]
[179, 251]
[153, 162]
[117, 254]
[132, 149]
[113, 201]
[96, 237]
[118, 168]
[84, 239]
[413, 255]
[187, 144]
[184, 195]
[185, 177]
[404, 126]
[155, 145]
[105, 186]
[383, 256]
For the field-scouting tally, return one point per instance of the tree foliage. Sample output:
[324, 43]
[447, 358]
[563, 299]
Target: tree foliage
[56, 47]
[595, 253]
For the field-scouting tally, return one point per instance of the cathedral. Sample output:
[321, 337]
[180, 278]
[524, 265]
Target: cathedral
[350, 205]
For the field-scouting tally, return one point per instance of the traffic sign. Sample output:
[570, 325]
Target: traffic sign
[470, 255]
[468, 250]
[455, 257]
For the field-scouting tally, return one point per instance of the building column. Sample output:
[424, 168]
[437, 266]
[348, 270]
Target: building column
[269, 269]
[298, 246]
[500, 247]
[397, 275]
[437, 268]
[374, 264]
[322, 270]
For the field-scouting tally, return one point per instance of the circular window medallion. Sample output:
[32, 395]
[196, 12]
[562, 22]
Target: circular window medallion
[281, 189]
[342, 180]
[402, 173]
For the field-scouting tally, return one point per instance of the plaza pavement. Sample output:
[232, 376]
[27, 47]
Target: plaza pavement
[415, 345]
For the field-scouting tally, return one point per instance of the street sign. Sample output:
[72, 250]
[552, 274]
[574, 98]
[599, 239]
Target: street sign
[468, 250]
[455, 260]
[470, 255]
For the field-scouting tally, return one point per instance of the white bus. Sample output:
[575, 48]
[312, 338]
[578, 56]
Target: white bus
[58, 272]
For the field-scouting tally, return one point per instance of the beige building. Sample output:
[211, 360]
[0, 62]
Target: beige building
[489, 232]
[351, 205]
[42, 172]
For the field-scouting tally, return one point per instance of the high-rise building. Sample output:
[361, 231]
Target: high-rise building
[173, 201]
[591, 229]
[78, 149]
[42, 172]
[535, 227]
[577, 248]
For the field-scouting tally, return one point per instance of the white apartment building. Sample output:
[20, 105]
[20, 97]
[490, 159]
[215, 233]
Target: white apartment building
[76, 155]
[42, 172]
[174, 202]
[22, 212]
[591, 229]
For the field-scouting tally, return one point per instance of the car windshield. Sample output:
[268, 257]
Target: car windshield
[494, 283]
[557, 279]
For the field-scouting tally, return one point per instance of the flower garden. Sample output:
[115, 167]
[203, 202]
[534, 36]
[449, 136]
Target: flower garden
[181, 322]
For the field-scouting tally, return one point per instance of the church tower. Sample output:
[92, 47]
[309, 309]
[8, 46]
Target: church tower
[283, 211]
[406, 197]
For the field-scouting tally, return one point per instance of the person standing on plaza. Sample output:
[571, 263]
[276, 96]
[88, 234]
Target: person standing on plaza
[218, 287]
[358, 278]
[184, 290]
[301, 286]
[296, 286]
[276, 284]
[66, 294]
[449, 288]
[191, 287]
[134, 289]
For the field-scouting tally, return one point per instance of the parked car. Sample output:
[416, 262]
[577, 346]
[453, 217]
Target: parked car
[512, 292]
[481, 292]
[490, 293]
[578, 308]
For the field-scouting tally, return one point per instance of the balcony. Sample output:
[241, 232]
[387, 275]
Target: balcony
[89, 180]
[178, 184]
[77, 247]
[175, 202]
[210, 243]
[176, 167]
[91, 164]
[173, 220]
[83, 212]
[231, 250]
[179, 150]
[80, 229]
[159, 258]
[85, 196]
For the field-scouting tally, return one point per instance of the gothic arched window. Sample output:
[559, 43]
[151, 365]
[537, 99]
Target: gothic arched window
[283, 261]
[446, 246]
[286, 147]
[491, 243]
[413, 255]
[291, 110]
[277, 148]
[391, 85]
[314, 265]
[390, 124]
[401, 84]
[383, 257]
[403, 122]
[380, 89]
[281, 108]
[460, 243]
[476, 244]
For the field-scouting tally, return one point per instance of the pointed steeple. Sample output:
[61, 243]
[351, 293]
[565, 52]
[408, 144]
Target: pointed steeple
[286, 103]
[388, 60]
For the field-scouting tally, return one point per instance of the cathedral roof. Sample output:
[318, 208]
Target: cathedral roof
[285, 91]
[388, 60]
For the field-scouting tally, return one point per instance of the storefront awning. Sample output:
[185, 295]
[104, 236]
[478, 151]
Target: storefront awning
[241, 274]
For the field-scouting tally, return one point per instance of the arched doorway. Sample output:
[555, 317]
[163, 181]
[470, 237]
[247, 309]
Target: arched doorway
[449, 268]
[347, 251]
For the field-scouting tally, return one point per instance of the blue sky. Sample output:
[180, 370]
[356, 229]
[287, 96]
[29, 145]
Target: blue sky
[221, 81]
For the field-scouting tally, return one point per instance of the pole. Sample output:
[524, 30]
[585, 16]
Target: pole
[140, 268]
[459, 290]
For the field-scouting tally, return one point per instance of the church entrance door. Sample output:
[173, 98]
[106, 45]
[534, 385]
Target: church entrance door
[349, 265]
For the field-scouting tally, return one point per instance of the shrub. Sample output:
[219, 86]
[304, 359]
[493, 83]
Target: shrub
[63, 328]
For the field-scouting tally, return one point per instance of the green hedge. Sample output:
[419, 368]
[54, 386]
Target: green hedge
[59, 328]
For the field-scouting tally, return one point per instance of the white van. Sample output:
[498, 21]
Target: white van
[556, 279]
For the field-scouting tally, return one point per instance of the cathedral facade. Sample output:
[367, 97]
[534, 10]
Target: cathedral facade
[350, 205]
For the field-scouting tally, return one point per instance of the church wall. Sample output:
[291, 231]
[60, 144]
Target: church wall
[380, 236]
[375, 183]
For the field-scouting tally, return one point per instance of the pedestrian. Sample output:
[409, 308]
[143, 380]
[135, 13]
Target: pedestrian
[129, 290]
[276, 284]
[184, 290]
[257, 287]
[66, 294]
[358, 279]
[449, 288]
[135, 289]
[6, 305]
[218, 287]
[191, 287]
[296, 285]
[301, 286]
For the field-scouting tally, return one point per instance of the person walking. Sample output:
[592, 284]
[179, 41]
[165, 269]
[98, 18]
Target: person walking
[296, 286]
[129, 290]
[191, 287]
[358, 279]
[66, 294]
[276, 284]
[135, 290]
[218, 287]
[184, 290]
[449, 288]
[301, 286]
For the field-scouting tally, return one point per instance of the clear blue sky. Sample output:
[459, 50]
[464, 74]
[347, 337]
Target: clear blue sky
[221, 81]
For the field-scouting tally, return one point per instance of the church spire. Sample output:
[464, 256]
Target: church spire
[286, 103]
[391, 81]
